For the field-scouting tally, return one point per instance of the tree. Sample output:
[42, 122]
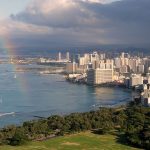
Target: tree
[18, 138]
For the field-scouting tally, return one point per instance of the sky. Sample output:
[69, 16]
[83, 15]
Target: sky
[8, 7]
[42, 24]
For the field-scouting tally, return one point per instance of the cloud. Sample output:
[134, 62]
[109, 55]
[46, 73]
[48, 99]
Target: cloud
[15, 27]
[61, 13]
[80, 22]
[100, 1]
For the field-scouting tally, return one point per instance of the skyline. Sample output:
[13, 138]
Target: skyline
[40, 24]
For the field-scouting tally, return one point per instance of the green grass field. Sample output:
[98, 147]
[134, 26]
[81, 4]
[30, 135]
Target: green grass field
[80, 141]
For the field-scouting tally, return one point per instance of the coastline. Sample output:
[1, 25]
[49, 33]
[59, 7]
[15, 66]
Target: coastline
[104, 121]
[80, 98]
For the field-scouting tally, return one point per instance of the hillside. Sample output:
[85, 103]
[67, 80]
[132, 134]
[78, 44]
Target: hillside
[80, 141]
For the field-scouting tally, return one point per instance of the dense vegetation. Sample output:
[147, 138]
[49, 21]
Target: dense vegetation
[133, 121]
[137, 126]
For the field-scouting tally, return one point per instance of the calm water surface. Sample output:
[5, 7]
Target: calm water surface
[26, 95]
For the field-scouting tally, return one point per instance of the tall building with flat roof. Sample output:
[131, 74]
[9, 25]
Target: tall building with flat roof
[136, 80]
[140, 68]
[101, 75]
[117, 62]
[59, 56]
[67, 56]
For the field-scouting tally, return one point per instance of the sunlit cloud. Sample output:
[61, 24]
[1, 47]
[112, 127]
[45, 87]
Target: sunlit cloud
[80, 22]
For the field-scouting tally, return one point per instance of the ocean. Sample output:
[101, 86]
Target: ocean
[28, 95]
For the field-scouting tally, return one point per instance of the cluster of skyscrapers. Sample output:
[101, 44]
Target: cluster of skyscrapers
[125, 69]
[99, 69]
[95, 66]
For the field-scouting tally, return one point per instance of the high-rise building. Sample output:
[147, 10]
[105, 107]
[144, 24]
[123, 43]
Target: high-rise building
[133, 63]
[94, 57]
[67, 56]
[124, 69]
[117, 62]
[136, 80]
[75, 58]
[104, 74]
[59, 56]
[82, 61]
[86, 58]
[95, 64]
[122, 55]
[102, 56]
[148, 77]
[140, 68]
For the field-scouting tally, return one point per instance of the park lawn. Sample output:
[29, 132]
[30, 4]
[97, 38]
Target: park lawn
[79, 141]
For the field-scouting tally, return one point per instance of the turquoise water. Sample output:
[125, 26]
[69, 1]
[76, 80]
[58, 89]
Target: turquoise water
[25, 95]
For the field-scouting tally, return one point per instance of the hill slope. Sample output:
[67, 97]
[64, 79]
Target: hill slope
[80, 141]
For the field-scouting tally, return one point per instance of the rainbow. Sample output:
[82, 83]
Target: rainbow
[9, 48]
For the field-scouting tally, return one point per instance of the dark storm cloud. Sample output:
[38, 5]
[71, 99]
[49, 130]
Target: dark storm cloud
[77, 21]
[53, 13]
[125, 11]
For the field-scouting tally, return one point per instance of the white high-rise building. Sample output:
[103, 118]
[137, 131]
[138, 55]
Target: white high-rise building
[146, 63]
[82, 61]
[140, 68]
[148, 77]
[94, 57]
[126, 61]
[124, 69]
[104, 74]
[59, 56]
[133, 63]
[136, 80]
[86, 58]
[117, 62]
[67, 56]
[122, 55]
[102, 56]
